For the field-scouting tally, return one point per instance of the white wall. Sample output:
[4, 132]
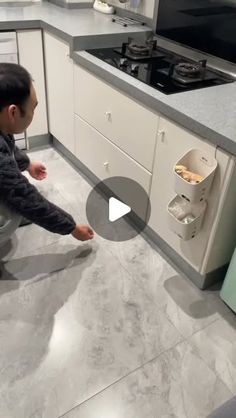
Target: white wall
[146, 7]
[18, 1]
[78, 1]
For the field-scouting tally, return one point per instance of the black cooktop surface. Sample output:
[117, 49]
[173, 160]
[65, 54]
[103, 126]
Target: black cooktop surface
[165, 71]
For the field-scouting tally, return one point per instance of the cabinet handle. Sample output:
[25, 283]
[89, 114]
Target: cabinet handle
[108, 115]
[161, 134]
[106, 164]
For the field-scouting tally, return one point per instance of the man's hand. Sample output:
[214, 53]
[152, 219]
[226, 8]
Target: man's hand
[83, 233]
[37, 170]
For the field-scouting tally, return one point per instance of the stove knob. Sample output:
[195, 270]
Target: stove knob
[134, 68]
[123, 62]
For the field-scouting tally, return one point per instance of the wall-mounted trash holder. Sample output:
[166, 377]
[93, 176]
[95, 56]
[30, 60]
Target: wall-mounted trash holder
[185, 219]
[200, 167]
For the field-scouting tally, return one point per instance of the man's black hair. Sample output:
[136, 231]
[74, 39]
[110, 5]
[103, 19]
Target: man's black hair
[15, 83]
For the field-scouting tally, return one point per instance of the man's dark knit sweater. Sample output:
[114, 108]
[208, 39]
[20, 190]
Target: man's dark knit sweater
[22, 197]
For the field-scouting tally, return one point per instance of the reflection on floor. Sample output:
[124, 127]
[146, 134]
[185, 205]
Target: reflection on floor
[105, 329]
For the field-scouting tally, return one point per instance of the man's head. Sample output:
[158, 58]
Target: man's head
[17, 98]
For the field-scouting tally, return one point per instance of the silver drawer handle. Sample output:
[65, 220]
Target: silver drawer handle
[108, 115]
[161, 134]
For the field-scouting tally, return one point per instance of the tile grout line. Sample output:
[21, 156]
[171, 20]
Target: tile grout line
[183, 338]
[195, 332]
[210, 367]
[168, 316]
[123, 377]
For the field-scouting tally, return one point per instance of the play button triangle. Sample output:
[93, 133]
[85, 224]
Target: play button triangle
[117, 209]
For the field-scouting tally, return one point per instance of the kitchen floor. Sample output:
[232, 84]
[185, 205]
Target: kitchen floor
[105, 329]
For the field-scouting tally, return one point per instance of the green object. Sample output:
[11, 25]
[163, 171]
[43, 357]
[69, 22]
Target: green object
[228, 291]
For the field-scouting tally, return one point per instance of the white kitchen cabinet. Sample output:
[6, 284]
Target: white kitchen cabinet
[106, 160]
[31, 57]
[59, 84]
[127, 123]
[173, 142]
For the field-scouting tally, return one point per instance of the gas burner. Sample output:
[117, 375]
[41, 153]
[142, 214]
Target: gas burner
[159, 68]
[187, 69]
[138, 49]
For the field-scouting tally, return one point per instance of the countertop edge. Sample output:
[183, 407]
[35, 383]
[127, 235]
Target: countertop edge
[153, 103]
[157, 105]
[36, 24]
[18, 25]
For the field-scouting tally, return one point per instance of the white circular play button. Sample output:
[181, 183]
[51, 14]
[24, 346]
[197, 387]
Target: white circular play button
[118, 208]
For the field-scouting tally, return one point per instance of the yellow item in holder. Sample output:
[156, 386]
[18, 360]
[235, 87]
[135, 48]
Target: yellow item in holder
[189, 176]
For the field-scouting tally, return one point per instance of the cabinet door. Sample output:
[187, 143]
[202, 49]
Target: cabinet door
[121, 119]
[59, 83]
[31, 57]
[173, 142]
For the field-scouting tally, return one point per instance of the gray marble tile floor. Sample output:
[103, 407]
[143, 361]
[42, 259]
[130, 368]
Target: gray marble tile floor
[105, 329]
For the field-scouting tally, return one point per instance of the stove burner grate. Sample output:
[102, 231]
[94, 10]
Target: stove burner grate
[186, 69]
[138, 49]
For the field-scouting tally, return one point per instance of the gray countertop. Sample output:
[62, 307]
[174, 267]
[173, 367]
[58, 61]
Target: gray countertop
[209, 112]
[67, 23]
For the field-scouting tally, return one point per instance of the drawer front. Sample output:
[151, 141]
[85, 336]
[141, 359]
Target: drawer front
[106, 160]
[126, 123]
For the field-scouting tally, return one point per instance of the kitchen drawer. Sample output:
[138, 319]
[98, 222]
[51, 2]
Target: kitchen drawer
[105, 160]
[126, 123]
